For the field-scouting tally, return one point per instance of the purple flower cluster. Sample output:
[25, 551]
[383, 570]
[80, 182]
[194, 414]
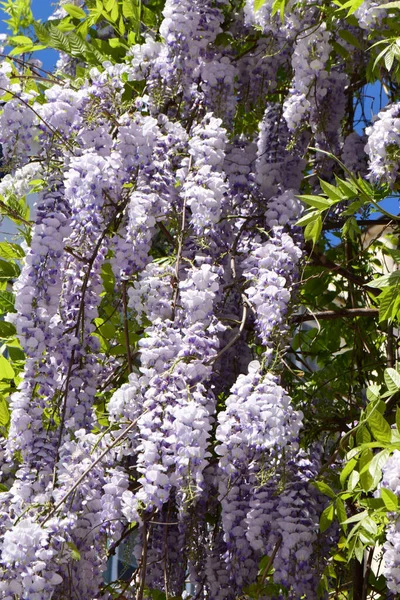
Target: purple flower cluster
[171, 428]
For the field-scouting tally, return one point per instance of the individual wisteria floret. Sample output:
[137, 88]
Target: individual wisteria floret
[383, 146]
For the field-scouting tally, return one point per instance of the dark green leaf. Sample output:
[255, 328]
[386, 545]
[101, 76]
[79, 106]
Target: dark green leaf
[59, 40]
[8, 271]
[327, 517]
[7, 330]
[347, 36]
[7, 300]
[324, 489]
[341, 513]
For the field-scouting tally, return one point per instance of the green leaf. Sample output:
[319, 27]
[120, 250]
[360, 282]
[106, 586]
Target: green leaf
[373, 392]
[350, 38]
[389, 302]
[343, 52]
[59, 40]
[42, 33]
[114, 14]
[6, 370]
[359, 552]
[8, 250]
[149, 18]
[8, 271]
[74, 11]
[347, 188]
[75, 554]
[347, 469]
[380, 55]
[353, 480]
[398, 419]
[340, 50]
[390, 499]
[376, 465]
[4, 412]
[7, 301]
[362, 435]
[309, 217]
[356, 518]
[390, 5]
[258, 4]
[316, 201]
[313, 230]
[379, 427]
[7, 330]
[369, 525]
[77, 45]
[386, 280]
[389, 58]
[324, 489]
[22, 50]
[331, 191]
[20, 40]
[130, 10]
[326, 518]
[351, 230]
[366, 479]
[392, 380]
[341, 513]
[352, 5]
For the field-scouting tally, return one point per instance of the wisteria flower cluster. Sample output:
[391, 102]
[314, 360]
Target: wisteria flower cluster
[153, 305]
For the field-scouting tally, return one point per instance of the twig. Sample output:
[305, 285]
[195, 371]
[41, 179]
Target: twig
[87, 471]
[126, 328]
[336, 314]
[233, 340]
[271, 560]
[146, 534]
[179, 253]
[322, 261]
[366, 574]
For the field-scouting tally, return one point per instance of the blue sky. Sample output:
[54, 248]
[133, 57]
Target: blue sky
[41, 9]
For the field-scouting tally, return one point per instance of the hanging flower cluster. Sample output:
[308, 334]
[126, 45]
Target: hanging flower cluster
[153, 306]
[383, 145]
